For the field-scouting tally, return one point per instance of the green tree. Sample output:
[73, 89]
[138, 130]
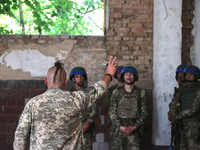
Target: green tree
[49, 16]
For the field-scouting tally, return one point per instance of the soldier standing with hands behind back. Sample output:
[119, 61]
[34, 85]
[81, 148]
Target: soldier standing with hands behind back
[128, 112]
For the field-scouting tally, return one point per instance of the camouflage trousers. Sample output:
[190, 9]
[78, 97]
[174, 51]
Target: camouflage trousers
[88, 136]
[190, 138]
[125, 142]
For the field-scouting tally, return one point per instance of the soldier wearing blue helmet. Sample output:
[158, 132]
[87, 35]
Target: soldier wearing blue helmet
[117, 75]
[189, 112]
[78, 75]
[128, 112]
[174, 107]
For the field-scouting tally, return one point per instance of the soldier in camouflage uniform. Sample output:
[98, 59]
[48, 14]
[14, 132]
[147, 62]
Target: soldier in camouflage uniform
[128, 112]
[173, 110]
[52, 120]
[189, 114]
[117, 75]
[79, 75]
[175, 105]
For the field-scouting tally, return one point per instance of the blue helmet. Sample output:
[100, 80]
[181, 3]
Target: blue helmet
[131, 70]
[119, 68]
[179, 69]
[193, 69]
[78, 70]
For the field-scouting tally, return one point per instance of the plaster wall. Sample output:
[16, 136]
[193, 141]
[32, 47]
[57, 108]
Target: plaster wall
[29, 58]
[195, 50]
[167, 56]
[32, 60]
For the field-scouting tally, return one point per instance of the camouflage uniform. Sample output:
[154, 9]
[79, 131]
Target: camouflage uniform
[188, 114]
[89, 115]
[190, 117]
[127, 109]
[106, 102]
[53, 120]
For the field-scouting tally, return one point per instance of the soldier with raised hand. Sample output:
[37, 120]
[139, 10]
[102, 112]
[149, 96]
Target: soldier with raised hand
[78, 75]
[189, 114]
[52, 120]
[128, 112]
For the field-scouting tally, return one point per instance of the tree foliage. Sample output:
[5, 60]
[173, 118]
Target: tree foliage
[49, 16]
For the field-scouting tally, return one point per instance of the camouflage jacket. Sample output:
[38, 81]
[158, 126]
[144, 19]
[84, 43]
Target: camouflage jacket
[174, 105]
[130, 106]
[106, 102]
[53, 119]
[193, 109]
[88, 115]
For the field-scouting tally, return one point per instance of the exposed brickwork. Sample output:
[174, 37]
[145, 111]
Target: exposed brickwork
[187, 37]
[130, 34]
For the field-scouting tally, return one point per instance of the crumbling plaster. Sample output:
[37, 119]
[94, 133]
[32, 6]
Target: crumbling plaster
[31, 61]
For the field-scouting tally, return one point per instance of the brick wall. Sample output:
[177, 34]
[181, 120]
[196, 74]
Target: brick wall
[187, 37]
[129, 37]
[130, 34]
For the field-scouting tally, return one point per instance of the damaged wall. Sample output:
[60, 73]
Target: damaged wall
[22, 59]
[129, 37]
[31, 61]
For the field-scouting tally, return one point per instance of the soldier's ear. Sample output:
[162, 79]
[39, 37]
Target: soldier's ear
[65, 81]
[45, 80]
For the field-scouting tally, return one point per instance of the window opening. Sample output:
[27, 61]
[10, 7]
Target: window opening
[52, 17]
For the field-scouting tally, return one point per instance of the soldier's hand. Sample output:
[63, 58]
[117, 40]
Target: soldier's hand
[171, 117]
[123, 129]
[126, 130]
[132, 128]
[85, 126]
[112, 66]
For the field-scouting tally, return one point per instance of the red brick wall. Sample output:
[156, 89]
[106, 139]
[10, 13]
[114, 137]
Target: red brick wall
[130, 34]
[187, 37]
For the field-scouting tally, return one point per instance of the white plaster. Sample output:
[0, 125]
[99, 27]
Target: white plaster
[62, 55]
[166, 57]
[2, 56]
[32, 61]
[195, 50]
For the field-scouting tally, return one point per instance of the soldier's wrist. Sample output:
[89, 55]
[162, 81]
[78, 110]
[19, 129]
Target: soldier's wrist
[107, 74]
